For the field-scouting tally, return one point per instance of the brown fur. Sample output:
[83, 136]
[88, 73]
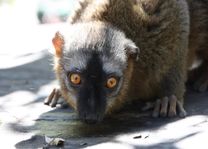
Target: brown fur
[160, 28]
[198, 44]
[123, 96]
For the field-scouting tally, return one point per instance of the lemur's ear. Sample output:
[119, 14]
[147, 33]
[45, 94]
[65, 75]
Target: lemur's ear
[132, 50]
[58, 43]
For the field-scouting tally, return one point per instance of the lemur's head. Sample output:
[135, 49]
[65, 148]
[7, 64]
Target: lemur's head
[92, 66]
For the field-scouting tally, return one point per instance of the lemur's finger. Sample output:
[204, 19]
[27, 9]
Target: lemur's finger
[156, 108]
[55, 99]
[164, 107]
[172, 107]
[181, 110]
[50, 97]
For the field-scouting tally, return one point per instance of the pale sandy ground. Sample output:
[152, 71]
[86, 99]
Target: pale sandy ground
[26, 78]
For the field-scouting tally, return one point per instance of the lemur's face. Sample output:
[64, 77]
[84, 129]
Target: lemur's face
[94, 79]
[93, 61]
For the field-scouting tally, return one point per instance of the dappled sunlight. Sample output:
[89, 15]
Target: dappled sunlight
[183, 133]
[18, 113]
[191, 121]
[196, 141]
[115, 145]
[12, 106]
[154, 141]
[14, 61]
[23, 104]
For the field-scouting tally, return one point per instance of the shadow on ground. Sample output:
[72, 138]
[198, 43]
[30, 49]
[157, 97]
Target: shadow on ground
[64, 123]
[29, 76]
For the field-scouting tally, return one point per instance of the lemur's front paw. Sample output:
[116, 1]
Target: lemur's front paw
[168, 107]
[53, 98]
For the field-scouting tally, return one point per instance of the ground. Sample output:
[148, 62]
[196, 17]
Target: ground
[26, 78]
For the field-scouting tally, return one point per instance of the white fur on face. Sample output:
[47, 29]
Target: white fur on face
[77, 61]
[110, 66]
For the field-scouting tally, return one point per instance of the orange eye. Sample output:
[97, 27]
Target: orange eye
[111, 82]
[75, 78]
